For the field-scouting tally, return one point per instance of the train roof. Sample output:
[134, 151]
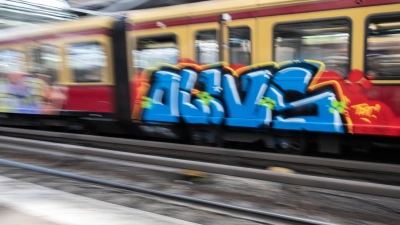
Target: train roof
[88, 23]
[191, 10]
[206, 8]
[144, 15]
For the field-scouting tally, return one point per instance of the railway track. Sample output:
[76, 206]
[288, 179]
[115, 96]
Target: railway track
[333, 168]
[242, 212]
[109, 159]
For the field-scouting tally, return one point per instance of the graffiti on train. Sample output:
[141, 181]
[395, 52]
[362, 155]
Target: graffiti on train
[259, 96]
[27, 94]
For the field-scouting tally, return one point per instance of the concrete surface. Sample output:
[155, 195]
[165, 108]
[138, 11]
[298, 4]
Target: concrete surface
[25, 203]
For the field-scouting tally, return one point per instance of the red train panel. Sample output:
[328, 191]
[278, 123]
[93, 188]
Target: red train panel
[91, 99]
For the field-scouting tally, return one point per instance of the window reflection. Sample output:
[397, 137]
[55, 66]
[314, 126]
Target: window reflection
[154, 50]
[240, 46]
[12, 61]
[45, 60]
[207, 47]
[34, 59]
[86, 61]
[50, 61]
[326, 41]
[383, 48]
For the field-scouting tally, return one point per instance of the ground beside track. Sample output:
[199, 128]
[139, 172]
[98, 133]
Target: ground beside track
[325, 205]
[27, 203]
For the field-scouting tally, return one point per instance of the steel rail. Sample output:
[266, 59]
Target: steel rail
[293, 159]
[294, 179]
[249, 211]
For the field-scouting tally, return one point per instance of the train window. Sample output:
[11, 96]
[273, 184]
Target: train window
[50, 60]
[383, 47]
[34, 59]
[207, 47]
[86, 61]
[151, 51]
[327, 41]
[240, 45]
[12, 61]
[45, 60]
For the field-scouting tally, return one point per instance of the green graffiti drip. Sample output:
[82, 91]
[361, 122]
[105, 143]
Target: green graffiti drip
[337, 105]
[205, 97]
[268, 102]
[147, 102]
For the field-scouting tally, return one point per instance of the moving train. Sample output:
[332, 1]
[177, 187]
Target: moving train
[284, 74]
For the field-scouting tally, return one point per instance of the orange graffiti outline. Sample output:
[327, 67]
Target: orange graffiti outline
[313, 85]
[145, 75]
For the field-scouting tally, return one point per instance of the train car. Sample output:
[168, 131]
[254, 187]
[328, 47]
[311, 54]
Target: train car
[283, 73]
[60, 75]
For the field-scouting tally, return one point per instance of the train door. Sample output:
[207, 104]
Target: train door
[151, 47]
[229, 89]
[241, 41]
[224, 39]
[45, 67]
[154, 54]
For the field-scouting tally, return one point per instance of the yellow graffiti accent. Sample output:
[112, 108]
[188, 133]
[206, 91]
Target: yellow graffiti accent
[346, 100]
[334, 83]
[203, 67]
[321, 70]
[226, 66]
[215, 65]
[246, 69]
[349, 122]
[195, 92]
[366, 120]
[286, 63]
[160, 65]
[191, 65]
[233, 72]
[366, 110]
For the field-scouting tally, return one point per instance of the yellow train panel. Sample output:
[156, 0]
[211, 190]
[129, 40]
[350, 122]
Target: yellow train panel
[357, 15]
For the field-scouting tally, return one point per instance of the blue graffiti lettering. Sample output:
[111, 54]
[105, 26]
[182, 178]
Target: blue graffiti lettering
[164, 93]
[247, 112]
[260, 97]
[194, 112]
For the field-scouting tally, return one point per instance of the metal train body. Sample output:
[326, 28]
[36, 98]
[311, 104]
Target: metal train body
[283, 73]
